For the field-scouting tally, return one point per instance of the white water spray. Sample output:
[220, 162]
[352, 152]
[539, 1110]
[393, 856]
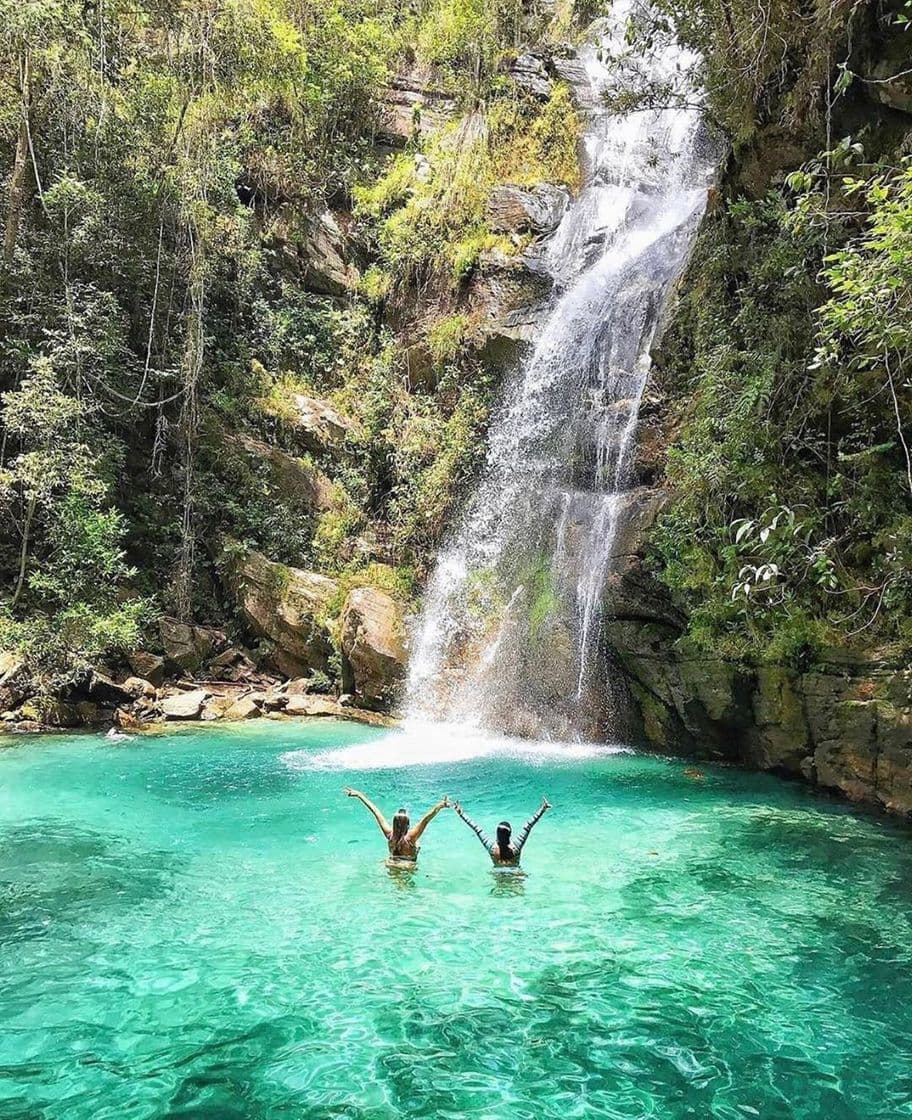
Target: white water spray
[512, 621]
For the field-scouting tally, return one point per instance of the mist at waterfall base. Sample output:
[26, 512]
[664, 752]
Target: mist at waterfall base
[199, 926]
[510, 639]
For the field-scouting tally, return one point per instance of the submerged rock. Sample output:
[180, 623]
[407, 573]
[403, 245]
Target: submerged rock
[373, 647]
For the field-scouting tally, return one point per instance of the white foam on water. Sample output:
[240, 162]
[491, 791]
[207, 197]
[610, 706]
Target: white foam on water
[421, 743]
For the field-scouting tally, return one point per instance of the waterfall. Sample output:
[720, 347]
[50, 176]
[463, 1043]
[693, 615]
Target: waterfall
[511, 629]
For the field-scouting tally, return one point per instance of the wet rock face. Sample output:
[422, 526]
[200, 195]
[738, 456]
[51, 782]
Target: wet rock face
[835, 728]
[510, 297]
[373, 649]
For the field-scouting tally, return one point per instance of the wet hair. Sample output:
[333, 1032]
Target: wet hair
[504, 832]
[400, 825]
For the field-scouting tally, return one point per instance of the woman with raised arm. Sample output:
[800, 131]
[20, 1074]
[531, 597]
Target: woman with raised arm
[401, 839]
[505, 851]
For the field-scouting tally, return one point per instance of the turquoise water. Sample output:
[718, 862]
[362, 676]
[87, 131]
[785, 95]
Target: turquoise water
[201, 925]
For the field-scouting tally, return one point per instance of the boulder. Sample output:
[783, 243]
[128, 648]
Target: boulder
[244, 708]
[137, 687]
[287, 606]
[103, 690]
[216, 707]
[148, 666]
[299, 484]
[188, 646]
[537, 210]
[373, 647]
[184, 705]
[320, 428]
[312, 706]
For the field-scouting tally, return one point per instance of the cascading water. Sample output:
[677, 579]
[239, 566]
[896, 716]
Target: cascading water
[509, 637]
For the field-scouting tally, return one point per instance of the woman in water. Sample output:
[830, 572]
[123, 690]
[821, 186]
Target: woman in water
[505, 851]
[401, 839]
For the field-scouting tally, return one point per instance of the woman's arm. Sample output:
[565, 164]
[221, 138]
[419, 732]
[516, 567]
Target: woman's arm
[476, 828]
[378, 816]
[530, 824]
[416, 832]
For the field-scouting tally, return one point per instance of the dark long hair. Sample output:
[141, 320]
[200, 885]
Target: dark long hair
[400, 827]
[504, 832]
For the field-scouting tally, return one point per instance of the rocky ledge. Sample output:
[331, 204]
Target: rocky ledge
[843, 723]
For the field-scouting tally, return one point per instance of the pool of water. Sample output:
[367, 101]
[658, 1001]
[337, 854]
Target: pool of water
[201, 925]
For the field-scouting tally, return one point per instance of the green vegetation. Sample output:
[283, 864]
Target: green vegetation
[790, 357]
[169, 288]
[429, 209]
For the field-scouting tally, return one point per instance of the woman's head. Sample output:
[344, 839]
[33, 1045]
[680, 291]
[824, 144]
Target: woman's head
[504, 832]
[400, 824]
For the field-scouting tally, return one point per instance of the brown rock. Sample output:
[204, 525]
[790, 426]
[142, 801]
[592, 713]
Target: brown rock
[244, 708]
[127, 720]
[287, 606]
[373, 647]
[148, 666]
[184, 705]
[136, 687]
[188, 646]
[313, 706]
[216, 707]
[104, 690]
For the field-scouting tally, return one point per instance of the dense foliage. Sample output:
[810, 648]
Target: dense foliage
[166, 170]
[790, 364]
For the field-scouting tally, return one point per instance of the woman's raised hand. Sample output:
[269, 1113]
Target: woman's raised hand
[349, 792]
[546, 804]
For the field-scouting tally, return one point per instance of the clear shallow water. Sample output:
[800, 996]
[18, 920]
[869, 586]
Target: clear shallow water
[202, 926]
